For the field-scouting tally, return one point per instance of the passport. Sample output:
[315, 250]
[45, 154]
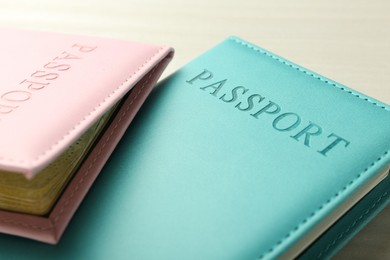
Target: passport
[65, 101]
[240, 154]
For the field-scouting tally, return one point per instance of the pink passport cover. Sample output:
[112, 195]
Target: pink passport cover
[53, 88]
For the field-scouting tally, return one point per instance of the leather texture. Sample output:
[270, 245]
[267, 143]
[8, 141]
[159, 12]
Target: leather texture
[350, 224]
[124, 66]
[195, 177]
[54, 86]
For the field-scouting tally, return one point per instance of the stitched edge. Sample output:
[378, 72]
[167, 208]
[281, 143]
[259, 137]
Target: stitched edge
[312, 74]
[357, 221]
[25, 225]
[66, 203]
[87, 172]
[337, 194]
[86, 117]
[321, 207]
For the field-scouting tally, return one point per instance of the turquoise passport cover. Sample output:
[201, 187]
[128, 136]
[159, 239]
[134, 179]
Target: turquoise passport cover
[238, 155]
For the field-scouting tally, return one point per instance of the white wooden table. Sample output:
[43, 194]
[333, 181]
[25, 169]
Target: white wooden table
[345, 40]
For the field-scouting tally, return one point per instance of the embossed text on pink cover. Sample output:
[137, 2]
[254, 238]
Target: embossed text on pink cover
[53, 86]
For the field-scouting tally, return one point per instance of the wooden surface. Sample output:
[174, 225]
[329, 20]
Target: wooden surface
[345, 40]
